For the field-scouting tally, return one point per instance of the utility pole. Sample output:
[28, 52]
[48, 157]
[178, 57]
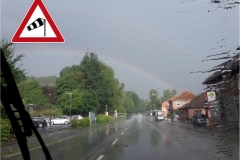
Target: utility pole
[70, 94]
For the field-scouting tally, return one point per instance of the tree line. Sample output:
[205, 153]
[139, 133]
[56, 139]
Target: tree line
[89, 86]
[155, 101]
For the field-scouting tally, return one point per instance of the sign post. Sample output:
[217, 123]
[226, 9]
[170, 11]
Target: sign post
[210, 96]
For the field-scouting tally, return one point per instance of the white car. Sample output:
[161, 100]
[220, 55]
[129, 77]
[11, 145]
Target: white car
[60, 120]
[159, 117]
[139, 115]
[77, 117]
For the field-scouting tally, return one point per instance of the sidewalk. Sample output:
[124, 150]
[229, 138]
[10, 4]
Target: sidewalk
[215, 129]
[12, 146]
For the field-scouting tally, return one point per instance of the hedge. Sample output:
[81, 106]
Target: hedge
[75, 123]
[6, 130]
[101, 118]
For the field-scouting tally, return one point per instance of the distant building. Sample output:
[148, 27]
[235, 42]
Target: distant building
[177, 101]
[187, 111]
[225, 83]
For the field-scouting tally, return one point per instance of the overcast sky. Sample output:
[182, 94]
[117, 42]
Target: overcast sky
[149, 43]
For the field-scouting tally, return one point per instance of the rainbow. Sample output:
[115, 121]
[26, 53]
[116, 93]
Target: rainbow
[78, 55]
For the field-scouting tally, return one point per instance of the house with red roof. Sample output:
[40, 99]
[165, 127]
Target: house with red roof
[177, 101]
[226, 84]
[187, 111]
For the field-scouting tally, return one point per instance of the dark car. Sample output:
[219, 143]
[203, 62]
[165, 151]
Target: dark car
[39, 122]
[199, 119]
[128, 116]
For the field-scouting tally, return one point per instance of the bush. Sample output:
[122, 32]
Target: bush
[85, 121]
[75, 123]
[6, 130]
[101, 118]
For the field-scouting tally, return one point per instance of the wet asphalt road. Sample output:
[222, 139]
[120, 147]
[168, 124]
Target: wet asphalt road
[53, 129]
[141, 139]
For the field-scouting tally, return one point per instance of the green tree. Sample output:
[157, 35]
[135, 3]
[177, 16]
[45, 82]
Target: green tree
[12, 59]
[44, 81]
[168, 93]
[68, 82]
[100, 78]
[74, 103]
[128, 103]
[135, 100]
[95, 81]
[154, 100]
[90, 68]
[67, 70]
[141, 107]
[82, 102]
[32, 93]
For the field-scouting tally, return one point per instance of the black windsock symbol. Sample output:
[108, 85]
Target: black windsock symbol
[37, 23]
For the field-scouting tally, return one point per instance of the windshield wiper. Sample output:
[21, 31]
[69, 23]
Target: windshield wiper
[15, 110]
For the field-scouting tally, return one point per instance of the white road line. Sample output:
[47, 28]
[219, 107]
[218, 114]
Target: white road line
[122, 133]
[11, 155]
[57, 133]
[100, 157]
[115, 141]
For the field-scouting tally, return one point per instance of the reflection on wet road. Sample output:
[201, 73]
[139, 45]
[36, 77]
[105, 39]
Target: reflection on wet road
[138, 138]
[53, 129]
[144, 141]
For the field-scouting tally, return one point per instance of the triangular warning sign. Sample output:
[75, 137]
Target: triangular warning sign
[37, 26]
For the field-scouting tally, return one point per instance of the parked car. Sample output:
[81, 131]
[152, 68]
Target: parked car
[47, 120]
[40, 122]
[60, 120]
[199, 119]
[65, 116]
[175, 119]
[129, 116]
[159, 117]
[77, 117]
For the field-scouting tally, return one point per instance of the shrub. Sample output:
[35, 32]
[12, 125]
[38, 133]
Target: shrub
[6, 130]
[75, 123]
[101, 118]
[85, 121]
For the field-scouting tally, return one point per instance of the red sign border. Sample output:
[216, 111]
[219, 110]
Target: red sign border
[17, 39]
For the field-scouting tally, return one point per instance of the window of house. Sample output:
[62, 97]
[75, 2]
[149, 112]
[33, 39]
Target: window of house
[178, 102]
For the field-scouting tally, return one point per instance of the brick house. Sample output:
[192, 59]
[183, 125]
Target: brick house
[225, 83]
[187, 111]
[177, 101]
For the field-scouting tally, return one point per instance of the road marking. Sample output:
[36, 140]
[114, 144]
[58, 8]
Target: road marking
[115, 141]
[63, 139]
[100, 157]
[57, 133]
[11, 155]
[122, 133]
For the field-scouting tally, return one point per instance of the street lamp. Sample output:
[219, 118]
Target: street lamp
[70, 94]
[106, 108]
[106, 113]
